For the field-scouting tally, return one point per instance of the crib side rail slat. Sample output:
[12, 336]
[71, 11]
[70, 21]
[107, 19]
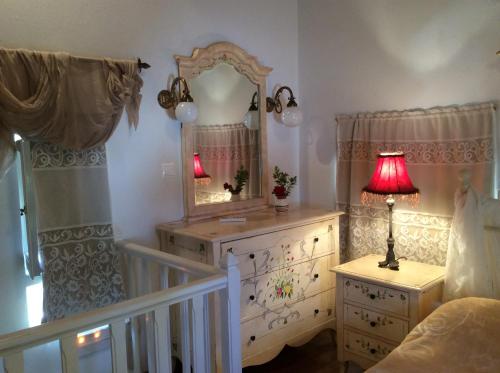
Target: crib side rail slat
[14, 363]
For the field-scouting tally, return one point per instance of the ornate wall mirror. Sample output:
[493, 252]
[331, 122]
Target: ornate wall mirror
[226, 146]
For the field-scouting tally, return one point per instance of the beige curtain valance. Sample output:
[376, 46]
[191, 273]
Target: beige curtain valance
[70, 101]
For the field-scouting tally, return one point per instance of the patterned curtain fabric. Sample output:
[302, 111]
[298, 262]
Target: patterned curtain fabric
[438, 143]
[223, 149]
[81, 267]
[61, 99]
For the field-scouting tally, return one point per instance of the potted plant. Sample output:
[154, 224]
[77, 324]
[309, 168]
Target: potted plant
[240, 178]
[284, 185]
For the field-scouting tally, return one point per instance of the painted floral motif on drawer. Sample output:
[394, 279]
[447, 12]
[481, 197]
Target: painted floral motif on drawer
[284, 279]
[282, 250]
[274, 292]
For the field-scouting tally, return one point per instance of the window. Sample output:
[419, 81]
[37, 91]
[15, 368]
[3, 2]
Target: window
[27, 209]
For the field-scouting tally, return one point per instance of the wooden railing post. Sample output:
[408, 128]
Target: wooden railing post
[185, 328]
[69, 353]
[13, 363]
[200, 330]
[118, 346]
[230, 316]
[163, 343]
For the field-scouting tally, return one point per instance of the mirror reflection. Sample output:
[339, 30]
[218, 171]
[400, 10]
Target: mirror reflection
[226, 136]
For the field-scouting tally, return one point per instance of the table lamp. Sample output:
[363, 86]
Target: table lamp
[200, 176]
[390, 179]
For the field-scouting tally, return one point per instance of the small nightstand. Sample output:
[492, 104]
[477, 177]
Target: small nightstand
[377, 307]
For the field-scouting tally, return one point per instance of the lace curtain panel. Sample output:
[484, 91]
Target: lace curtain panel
[223, 149]
[473, 260]
[81, 267]
[438, 143]
[72, 101]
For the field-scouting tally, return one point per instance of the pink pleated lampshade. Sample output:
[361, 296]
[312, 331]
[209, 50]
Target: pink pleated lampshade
[390, 176]
[200, 176]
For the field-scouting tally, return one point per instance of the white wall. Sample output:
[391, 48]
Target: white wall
[155, 30]
[363, 55]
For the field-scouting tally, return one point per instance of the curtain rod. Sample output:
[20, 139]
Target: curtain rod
[140, 64]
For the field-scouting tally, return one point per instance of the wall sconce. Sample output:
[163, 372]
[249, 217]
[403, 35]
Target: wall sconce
[291, 116]
[251, 119]
[185, 110]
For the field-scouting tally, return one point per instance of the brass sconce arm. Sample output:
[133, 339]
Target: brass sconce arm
[253, 104]
[170, 98]
[275, 104]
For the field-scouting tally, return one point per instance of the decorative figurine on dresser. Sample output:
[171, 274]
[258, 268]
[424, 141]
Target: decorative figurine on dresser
[287, 290]
[377, 307]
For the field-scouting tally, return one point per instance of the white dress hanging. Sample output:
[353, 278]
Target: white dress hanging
[473, 258]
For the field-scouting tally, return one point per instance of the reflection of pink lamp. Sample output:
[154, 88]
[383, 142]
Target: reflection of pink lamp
[390, 178]
[200, 176]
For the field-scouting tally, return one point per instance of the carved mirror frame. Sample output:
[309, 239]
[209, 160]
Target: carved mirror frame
[201, 60]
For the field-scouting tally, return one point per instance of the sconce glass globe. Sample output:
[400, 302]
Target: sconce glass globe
[251, 120]
[186, 112]
[292, 116]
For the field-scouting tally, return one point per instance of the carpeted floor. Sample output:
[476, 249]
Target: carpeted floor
[317, 356]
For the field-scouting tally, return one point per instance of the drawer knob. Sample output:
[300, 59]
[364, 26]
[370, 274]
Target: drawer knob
[316, 239]
[372, 296]
[373, 324]
[372, 350]
[316, 275]
[252, 338]
[252, 297]
[316, 311]
[252, 256]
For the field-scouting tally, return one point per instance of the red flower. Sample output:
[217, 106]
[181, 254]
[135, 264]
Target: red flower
[280, 191]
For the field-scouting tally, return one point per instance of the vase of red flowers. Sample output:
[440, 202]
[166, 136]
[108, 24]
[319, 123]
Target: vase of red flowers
[284, 185]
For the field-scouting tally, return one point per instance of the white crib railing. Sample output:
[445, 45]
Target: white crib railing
[196, 282]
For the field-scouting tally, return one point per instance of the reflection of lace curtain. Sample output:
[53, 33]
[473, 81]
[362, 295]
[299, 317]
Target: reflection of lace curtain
[438, 143]
[223, 149]
[473, 260]
[81, 268]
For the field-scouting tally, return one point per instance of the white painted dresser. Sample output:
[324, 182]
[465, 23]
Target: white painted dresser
[287, 290]
[377, 307]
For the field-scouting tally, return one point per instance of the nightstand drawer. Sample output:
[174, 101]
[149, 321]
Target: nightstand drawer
[368, 347]
[383, 298]
[375, 323]
[263, 253]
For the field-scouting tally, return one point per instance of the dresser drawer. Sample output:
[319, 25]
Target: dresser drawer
[368, 347]
[262, 253]
[286, 284]
[265, 331]
[383, 298]
[375, 323]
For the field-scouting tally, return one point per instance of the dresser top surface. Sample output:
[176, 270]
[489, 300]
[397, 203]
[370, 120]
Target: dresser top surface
[257, 222]
[412, 275]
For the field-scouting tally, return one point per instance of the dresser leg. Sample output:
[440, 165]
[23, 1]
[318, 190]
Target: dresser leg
[343, 366]
[333, 336]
